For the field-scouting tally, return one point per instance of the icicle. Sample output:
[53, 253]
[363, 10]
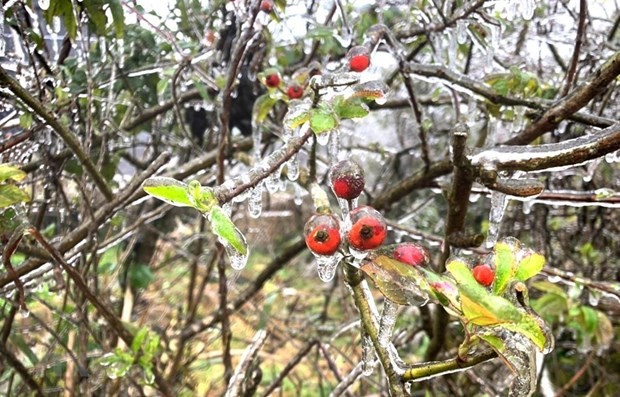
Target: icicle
[527, 207]
[237, 260]
[54, 35]
[272, 182]
[452, 47]
[255, 201]
[368, 356]
[322, 138]
[334, 146]
[292, 168]
[499, 202]
[326, 266]
[461, 31]
[298, 195]
[386, 324]
[2, 41]
[256, 140]
[527, 9]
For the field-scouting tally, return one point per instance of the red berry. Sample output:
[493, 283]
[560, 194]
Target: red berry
[359, 58]
[483, 274]
[294, 91]
[272, 80]
[347, 179]
[411, 254]
[322, 233]
[266, 6]
[368, 230]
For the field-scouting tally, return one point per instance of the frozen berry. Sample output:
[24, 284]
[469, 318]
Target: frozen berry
[359, 58]
[411, 254]
[347, 179]
[272, 80]
[483, 274]
[294, 91]
[368, 229]
[322, 233]
[266, 6]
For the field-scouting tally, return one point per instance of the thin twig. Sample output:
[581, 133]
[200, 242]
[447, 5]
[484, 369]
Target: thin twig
[572, 68]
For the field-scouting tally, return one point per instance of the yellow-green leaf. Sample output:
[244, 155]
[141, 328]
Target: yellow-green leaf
[530, 266]
[8, 171]
[226, 230]
[168, 190]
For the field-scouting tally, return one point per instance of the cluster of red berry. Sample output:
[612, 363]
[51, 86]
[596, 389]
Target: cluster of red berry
[368, 228]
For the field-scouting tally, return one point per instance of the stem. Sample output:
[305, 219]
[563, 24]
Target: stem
[428, 370]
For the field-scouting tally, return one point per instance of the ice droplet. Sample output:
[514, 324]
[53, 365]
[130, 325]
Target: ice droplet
[527, 9]
[326, 266]
[44, 4]
[255, 201]
[593, 298]
[322, 138]
[368, 356]
[292, 168]
[461, 31]
[386, 324]
[237, 260]
[499, 202]
[272, 182]
[527, 207]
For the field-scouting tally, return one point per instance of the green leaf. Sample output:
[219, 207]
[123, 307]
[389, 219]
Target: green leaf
[494, 341]
[350, 108]
[138, 340]
[590, 319]
[25, 120]
[262, 107]
[10, 195]
[8, 171]
[505, 265]
[226, 230]
[64, 9]
[118, 17]
[530, 266]
[140, 276]
[168, 190]
[322, 120]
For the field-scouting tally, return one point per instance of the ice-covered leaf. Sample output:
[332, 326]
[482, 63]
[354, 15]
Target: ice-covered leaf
[168, 190]
[529, 266]
[226, 230]
[262, 107]
[400, 283]
[10, 194]
[8, 171]
[505, 265]
[296, 116]
[530, 327]
[322, 120]
[350, 108]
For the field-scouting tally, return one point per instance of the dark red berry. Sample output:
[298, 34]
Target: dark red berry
[411, 254]
[347, 179]
[483, 274]
[368, 230]
[266, 6]
[322, 234]
[294, 91]
[359, 58]
[272, 80]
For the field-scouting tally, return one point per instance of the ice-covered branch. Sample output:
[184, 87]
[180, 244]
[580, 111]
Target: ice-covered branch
[428, 370]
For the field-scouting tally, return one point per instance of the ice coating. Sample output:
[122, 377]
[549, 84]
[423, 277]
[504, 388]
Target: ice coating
[255, 201]
[461, 31]
[292, 168]
[386, 324]
[368, 356]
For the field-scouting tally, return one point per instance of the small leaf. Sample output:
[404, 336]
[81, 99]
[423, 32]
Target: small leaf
[505, 265]
[25, 120]
[118, 17]
[10, 195]
[168, 190]
[140, 276]
[8, 171]
[262, 107]
[350, 108]
[322, 120]
[226, 230]
[201, 197]
[138, 340]
[494, 341]
[530, 266]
